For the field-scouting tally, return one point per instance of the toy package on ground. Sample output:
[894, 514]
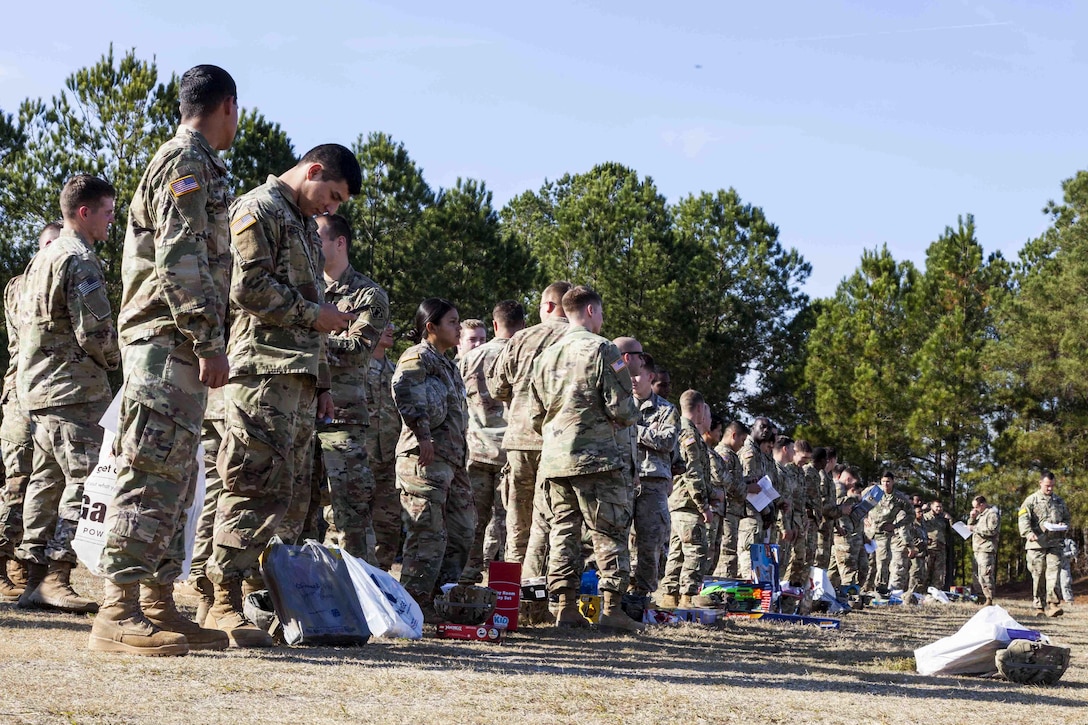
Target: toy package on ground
[971, 650]
[312, 594]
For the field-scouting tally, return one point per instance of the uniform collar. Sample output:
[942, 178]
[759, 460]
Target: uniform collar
[285, 191]
[186, 131]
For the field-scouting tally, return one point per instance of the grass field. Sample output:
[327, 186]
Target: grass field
[743, 672]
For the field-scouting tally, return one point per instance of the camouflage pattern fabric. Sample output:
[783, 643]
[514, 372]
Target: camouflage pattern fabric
[16, 438]
[486, 414]
[485, 480]
[651, 532]
[430, 396]
[687, 554]
[598, 503]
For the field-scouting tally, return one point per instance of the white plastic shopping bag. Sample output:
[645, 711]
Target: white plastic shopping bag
[389, 609]
[971, 650]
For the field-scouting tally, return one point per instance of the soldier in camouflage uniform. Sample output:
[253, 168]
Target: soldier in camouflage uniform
[937, 530]
[844, 562]
[791, 517]
[736, 494]
[657, 432]
[508, 381]
[16, 442]
[67, 343]
[350, 484]
[914, 534]
[486, 427]
[718, 477]
[756, 462]
[381, 448]
[1040, 513]
[435, 492]
[985, 525]
[829, 510]
[888, 517]
[689, 505]
[279, 372]
[580, 398]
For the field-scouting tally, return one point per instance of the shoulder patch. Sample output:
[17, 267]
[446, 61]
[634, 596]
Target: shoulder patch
[688, 440]
[412, 357]
[184, 185]
[1023, 511]
[242, 223]
[618, 365]
[88, 285]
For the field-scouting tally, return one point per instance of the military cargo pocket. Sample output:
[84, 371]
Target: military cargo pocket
[133, 525]
[613, 503]
[157, 444]
[246, 463]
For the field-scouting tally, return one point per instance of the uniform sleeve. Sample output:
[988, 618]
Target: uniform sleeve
[661, 436]
[500, 375]
[181, 258]
[410, 394]
[537, 410]
[1025, 520]
[694, 477]
[254, 286]
[90, 313]
[615, 382]
[372, 308]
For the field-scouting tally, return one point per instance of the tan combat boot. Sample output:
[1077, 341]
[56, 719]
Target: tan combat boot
[668, 600]
[613, 619]
[568, 616]
[1054, 610]
[685, 602]
[157, 603]
[10, 591]
[35, 573]
[17, 571]
[56, 592]
[121, 627]
[226, 615]
[202, 585]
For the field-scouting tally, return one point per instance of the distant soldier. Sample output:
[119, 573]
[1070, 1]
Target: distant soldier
[581, 399]
[1043, 521]
[381, 448]
[662, 382]
[736, 494]
[473, 334]
[718, 496]
[689, 505]
[486, 427]
[914, 534]
[343, 456]
[16, 443]
[829, 510]
[937, 529]
[893, 512]
[790, 523]
[756, 462]
[67, 343]
[985, 525]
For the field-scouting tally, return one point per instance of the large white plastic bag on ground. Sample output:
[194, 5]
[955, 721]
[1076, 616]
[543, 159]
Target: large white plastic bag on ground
[971, 650]
[389, 609]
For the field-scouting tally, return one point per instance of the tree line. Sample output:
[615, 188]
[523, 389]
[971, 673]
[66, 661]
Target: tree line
[966, 375]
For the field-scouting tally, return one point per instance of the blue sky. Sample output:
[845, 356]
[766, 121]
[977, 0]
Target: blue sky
[851, 124]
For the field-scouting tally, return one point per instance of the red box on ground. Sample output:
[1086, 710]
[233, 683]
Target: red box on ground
[476, 633]
[505, 578]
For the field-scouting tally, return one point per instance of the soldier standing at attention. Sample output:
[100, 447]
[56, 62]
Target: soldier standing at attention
[16, 442]
[279, 374]
[755, 462]
[888, 516]
[937, 528]
[712, 437]
[381, 448]
[736, 494]
[486, 427]
[435, 492]
[581, 400]
[67, 344]
[343, 454]
[985, 525]
[1043, 522]
[914, 536]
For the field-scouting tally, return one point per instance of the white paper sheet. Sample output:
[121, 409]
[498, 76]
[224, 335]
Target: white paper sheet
[766, 495]
[961, 528]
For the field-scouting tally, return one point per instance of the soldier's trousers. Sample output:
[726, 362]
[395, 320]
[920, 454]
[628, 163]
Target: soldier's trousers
[441, 519]
[67, 440]
[211, 437]
[651, 529]
[601, 503]
[900, 566]
[17, 447]
[305, 503]
[1065, 580]
[386, 514]
[269, 423]
[713, 544]
[864, 564]
[846, 564]
[1044, 565]
[796, 570]
[485, 479]
[350, 486]
[986, 571]
[883, 559]
[936, 567]
[749, 531]
[916, 574]
[520, 494]
[825, 539]
[687, 554]
[535, 563]
[162, 410]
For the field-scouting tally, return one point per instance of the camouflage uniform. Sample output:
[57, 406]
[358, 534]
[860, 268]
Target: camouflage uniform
[1045, 553]
[580, 398]
[814, 506]
[828, 513]
[845, 562]
[984, 543]
[736, 505]
[657, 432]
[211, 437]
[67, 343]
[486, 456]
[894, 509]
[914, 535]
[508, 380]
[937, 528]
[437, 498]
[381, 448]
[794, 557]
[16, 437]
[718, 497]
[350, 486]
[174, 274]
[277, 366]
[689, 500]
[754, 466]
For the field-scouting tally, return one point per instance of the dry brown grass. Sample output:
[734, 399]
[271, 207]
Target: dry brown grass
[743, 672]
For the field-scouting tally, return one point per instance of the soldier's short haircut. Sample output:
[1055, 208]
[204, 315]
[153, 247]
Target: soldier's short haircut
[473, 323]
[819, 457]
[1048, 475]
[662, 370]
[339, 226]
[831, 452]
[649, 365]
[802, 446]
[203, 88]
[84, 190]
[717, 420]
[887, 474]
[508, 313]
[837, 469]
[578, 298]
[338, 163]
[555, 291]
[853, 472]
[431, 310]
[781, 442]
[737, 427]
[762, 430]
[979, 499]
[690, 400]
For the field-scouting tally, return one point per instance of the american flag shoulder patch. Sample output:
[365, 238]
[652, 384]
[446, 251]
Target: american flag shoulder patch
[88, 286]
[184, 185]
[618, 365]
[242, 223]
